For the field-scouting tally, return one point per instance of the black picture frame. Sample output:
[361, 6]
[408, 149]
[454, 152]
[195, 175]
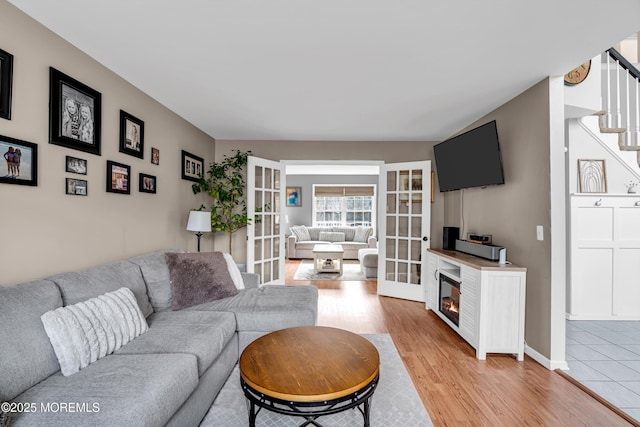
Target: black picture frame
[192, 166]
[6, 83]
[131, 135]
[25, 170]
[76, 187]
[75, 165]
[155, 156]
[118, 178]
[147, 183]
[75, 114]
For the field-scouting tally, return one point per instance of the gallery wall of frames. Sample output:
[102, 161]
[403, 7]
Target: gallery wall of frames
[91, 168]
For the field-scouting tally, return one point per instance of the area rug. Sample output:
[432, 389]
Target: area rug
[350, 271]
[395, 401]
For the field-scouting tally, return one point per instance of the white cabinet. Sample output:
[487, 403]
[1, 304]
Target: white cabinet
[491, 301]
[432, 280]
[605, 254]
[469, 302]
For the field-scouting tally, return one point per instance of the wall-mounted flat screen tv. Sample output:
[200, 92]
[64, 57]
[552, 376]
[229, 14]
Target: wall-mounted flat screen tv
[471, 159]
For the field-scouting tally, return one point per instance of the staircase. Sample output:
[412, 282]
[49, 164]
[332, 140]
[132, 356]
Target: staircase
[621, 100]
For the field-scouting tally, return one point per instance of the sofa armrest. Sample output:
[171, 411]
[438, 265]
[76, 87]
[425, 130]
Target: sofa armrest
[291, 246]
[372, 242]
[251, 280]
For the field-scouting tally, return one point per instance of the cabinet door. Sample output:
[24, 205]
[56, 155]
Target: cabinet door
[469, 304]
[432, 282]
[626, 268]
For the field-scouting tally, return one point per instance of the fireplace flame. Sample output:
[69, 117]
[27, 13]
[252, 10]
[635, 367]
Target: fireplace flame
[453, 307]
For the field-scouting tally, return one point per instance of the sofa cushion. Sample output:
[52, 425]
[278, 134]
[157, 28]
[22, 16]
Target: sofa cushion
[362, 234]
[203, 334]
[308, 245]
[198, 277]
[349, 232]
[332, 236]
[156, 276]
[300, 231]
[87, 331]
[82, 285]
[270, 307]
[314, 232]
[25, 352]
[126, 390]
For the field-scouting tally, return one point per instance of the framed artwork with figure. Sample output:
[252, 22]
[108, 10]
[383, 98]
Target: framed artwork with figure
[118, 178]
[131, 135]
[192, 166]
[74, 113]
[19, 164]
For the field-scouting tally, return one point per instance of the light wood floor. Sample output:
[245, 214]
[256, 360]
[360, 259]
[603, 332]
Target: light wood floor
[456, 388]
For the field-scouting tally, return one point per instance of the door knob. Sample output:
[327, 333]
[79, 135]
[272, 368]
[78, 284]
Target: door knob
[425, 238]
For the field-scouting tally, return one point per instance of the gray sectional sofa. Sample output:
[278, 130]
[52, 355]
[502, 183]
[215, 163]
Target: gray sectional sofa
[300, 242]
[169, 375]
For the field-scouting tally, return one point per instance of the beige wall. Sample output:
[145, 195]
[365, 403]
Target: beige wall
[45, 231]
[389, 152]
[511, 212]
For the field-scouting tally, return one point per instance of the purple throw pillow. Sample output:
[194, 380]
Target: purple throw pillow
[198, 277]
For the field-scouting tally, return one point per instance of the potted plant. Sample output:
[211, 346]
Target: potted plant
[225, 183]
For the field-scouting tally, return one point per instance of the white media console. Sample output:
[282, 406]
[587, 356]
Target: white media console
[483, 301]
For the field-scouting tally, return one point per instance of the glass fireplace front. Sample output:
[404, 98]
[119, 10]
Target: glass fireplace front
[450, 298]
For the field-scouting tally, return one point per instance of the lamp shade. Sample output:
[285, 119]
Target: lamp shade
[199, 221]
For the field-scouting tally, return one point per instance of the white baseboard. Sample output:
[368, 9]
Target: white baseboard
[599, 317]
[551, 365]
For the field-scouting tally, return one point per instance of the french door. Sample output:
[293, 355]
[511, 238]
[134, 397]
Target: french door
[265, 207]
[404, 215]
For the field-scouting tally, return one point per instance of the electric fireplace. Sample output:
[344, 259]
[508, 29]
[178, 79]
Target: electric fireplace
[450, 298]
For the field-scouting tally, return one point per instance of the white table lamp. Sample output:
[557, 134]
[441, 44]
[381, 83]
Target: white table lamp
[200, 222]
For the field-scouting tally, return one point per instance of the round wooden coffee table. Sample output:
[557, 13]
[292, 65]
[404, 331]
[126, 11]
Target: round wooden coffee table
[309, 372]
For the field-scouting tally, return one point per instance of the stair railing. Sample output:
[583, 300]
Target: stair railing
[621, 97]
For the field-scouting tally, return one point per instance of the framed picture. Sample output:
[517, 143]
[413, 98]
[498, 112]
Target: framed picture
[131, 135]
[76, 165]
[155, 156]
[294, 196]
[76, 187]
[118, 178]
[147, 183]
[20, 162]
[74, 113]
[592, 176]
[6, 79]
[192, 166]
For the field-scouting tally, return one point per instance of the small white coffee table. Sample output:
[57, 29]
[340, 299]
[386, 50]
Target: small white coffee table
[327, 258]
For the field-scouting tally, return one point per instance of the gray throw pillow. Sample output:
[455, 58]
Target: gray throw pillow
[301, 232]
[362, 234]
[199, 277]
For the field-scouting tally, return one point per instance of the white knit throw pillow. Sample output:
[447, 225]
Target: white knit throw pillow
[87, 331]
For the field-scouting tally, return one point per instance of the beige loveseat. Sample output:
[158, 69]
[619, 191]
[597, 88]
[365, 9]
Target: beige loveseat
[302, 239]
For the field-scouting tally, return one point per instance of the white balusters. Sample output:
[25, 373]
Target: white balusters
[627, 110]
[617, 117]
[607, 94]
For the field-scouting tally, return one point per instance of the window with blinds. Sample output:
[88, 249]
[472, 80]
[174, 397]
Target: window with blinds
[344, 205]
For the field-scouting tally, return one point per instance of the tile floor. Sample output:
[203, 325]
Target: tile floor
[605, 356]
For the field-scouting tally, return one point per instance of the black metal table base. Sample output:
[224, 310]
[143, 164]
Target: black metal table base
[310, 411]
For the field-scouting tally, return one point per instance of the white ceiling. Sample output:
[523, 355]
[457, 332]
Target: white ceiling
[337, 69]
